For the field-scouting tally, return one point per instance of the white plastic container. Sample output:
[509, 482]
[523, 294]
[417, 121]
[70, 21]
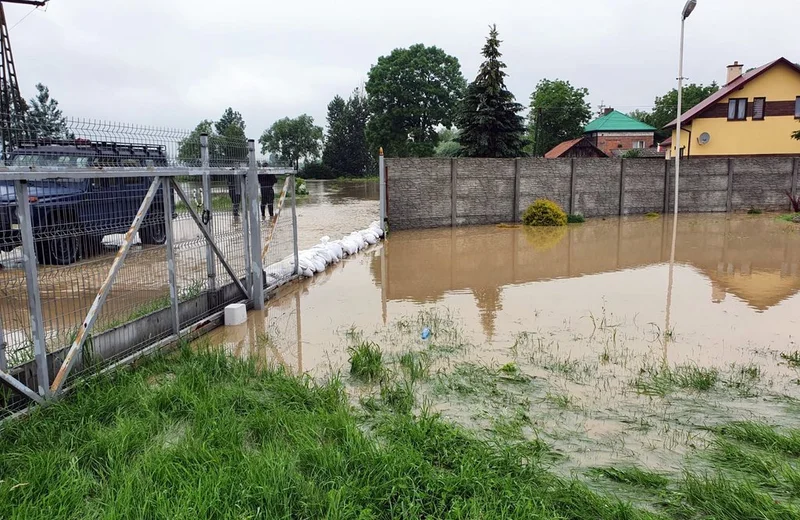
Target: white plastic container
[235, 314]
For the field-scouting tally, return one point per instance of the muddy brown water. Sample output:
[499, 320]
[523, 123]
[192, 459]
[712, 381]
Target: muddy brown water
[581, 311]
[331, 208]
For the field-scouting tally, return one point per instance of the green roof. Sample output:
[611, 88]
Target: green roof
[617, 122]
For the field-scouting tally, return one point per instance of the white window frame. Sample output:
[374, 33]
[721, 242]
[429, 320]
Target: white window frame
[639, 145]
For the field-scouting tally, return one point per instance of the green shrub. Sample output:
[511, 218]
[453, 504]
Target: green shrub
[544, 212]
[652, 214]
[575, 218]
[301, 188]
[754, 211]
[317, 170]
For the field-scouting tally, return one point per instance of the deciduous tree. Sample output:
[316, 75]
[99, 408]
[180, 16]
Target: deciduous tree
[665, 108]
[489, 116]
[411, 93]
[559, 112]
[293, 139]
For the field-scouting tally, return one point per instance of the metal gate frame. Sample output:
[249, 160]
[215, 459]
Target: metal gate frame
[252, 291]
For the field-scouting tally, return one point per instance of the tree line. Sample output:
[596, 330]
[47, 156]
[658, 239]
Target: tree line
[417, 103]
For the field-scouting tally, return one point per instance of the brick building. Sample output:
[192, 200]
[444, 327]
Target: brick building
[615, 132]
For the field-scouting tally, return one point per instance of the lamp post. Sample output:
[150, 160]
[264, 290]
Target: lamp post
[687, 10]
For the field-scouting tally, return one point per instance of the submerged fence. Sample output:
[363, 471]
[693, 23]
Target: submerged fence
[116, 240]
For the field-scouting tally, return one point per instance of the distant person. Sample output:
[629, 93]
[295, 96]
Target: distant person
[235, 193]
[267, 181]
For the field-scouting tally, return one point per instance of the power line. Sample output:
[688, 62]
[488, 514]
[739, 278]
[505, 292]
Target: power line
[22, 19]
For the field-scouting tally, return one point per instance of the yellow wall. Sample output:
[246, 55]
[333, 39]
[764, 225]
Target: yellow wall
[770, 136]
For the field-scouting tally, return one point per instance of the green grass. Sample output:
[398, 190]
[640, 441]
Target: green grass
[754, 211]
[575, 219]
[220, 202]
[416, 365]
[632, 476]
[763, 436]
[203, 436]
[366, 361]
[199, 434]
[652, 214]
[370, 178]
[792, 358]
[788, 217]
[663, 381]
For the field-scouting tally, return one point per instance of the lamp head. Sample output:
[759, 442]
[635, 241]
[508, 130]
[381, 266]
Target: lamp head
[688, 8]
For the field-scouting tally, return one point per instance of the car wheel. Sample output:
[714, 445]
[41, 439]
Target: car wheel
[92, 246]
[60, 246]
[153, 234]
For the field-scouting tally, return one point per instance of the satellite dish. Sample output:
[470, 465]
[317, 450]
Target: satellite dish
[704, 138]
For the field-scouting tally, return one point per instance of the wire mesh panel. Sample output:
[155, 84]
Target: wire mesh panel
[135, 234]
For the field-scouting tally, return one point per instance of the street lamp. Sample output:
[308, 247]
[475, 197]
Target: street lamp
[687, 10]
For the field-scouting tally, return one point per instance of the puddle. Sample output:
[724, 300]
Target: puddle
[581, 313]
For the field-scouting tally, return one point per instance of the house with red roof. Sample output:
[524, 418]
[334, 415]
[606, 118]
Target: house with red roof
[755, 113]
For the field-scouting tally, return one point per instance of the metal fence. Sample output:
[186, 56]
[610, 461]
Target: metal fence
[117, 239]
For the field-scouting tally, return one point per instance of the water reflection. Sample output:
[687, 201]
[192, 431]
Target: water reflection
[757, 260]
[735, 286]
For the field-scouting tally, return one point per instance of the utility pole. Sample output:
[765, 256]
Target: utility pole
[12, 107]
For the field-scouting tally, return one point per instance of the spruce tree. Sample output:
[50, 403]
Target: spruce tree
[489, 117]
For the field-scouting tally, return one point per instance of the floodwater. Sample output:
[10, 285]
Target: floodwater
[332, 208]
[582, 312]
[736, 283]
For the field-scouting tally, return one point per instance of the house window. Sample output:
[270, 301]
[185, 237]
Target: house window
[737, 109]
[758, 108]
[638, 144]
[797, 107]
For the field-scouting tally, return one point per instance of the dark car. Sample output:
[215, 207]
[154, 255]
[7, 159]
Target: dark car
[70, 217]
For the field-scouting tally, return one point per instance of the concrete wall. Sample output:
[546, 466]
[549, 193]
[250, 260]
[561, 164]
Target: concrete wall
[442, 192]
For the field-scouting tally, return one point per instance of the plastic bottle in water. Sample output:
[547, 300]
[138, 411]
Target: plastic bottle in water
[426, 333]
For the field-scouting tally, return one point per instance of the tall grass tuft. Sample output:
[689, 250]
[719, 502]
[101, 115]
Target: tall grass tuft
[632, 476]
[366, 361]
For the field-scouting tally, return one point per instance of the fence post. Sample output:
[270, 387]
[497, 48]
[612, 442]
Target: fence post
[621, 187]
[166, 187]
[729, 201]
[382, 190]
[666, 186]
[32, 284]
[295, 245]
[795, 175]
[515, 217]
[211, 264]
[3, 358]
[453, 192]
[242, 180]
[257, 294]
[572, 185]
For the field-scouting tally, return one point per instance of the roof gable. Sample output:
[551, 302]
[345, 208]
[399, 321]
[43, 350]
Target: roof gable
[726, 91]
[616, 121]
[562, 148]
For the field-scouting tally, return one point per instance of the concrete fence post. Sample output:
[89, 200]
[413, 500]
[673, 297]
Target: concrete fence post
[666, 186]
[453, 191]
[572, 205]
[795, 176]
[382, 188]
[729, 201]
[515, 216]
[621, 187]
[254, 214]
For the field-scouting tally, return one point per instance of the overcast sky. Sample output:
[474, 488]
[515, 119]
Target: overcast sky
[175, 62]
